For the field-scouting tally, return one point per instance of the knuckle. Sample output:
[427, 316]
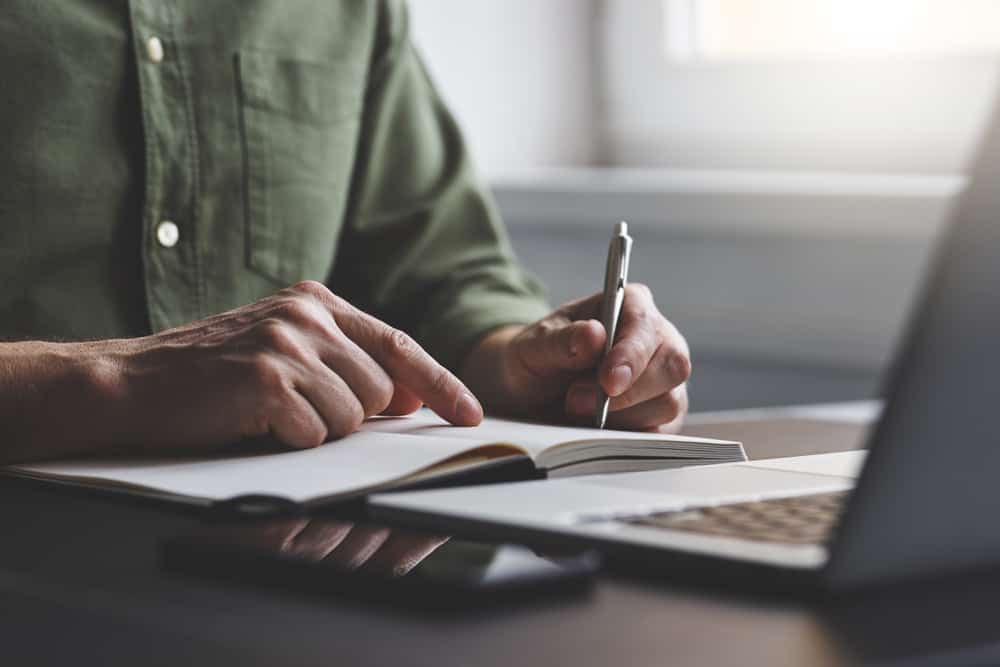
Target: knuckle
[276, 335]
[674, 367]
[682, 343]
[297, 310]
[268, 328]
[682, 368]
[266, 375]
[441, 381]
[314, 434]
[548, 325]
[670, 407]
[640, 289]
[312, 288]
[399, 345]
[348, 420]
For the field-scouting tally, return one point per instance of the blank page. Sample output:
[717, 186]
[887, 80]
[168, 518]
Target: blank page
[347, 466]
[532, 437]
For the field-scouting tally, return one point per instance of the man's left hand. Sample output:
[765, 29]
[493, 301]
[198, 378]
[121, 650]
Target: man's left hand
[550, 368]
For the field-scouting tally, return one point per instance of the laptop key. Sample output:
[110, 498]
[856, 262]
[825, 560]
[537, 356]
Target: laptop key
[797, 520]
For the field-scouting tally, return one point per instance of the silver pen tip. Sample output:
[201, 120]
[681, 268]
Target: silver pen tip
[602, 413]
[621, 229]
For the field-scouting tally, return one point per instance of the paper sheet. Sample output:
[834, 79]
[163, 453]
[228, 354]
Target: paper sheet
[532, 437]
[384, 450]
[351, 464]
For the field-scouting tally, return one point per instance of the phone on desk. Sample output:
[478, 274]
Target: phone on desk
[326, 556]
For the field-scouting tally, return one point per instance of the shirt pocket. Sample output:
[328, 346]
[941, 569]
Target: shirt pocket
[299, 124]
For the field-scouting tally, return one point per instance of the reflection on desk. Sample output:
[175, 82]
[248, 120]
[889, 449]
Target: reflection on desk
[339, 545]
[326, 555]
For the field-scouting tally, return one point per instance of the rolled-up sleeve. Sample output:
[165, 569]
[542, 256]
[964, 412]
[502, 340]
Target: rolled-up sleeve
[424, 247]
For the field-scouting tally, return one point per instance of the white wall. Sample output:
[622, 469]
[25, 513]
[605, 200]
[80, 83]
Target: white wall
[863, 114]
[515, 72]
[538, 83]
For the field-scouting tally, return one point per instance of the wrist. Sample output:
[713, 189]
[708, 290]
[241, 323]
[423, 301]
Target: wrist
[90, 389]
[59, 399]
[102, 381]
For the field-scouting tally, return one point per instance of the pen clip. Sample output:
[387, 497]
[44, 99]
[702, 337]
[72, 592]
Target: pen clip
[623, 245]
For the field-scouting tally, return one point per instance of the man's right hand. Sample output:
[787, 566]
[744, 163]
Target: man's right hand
[302, 365]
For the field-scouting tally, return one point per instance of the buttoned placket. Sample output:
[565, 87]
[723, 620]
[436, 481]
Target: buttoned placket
[170, 251]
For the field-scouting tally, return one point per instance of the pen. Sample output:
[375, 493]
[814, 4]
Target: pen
[615, 278]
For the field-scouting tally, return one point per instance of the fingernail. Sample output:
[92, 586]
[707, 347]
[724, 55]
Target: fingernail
[468, 410]
[621, 378]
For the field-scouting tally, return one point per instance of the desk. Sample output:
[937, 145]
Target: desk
[80, 582]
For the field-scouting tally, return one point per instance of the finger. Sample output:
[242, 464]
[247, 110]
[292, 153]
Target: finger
[331, 397]
[317, 539]
[584, 308]
[641, 331]
[313, 332]
[555, 345]
[402, 552]
[650, 414]
[271, 536]
[403, 402]
[357, 547]
[294, 421]
[367, 380]
[408, 364]
[676, 424]
[401, 357]
[667, 369]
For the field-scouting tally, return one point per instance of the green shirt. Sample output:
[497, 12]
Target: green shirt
[166, 160]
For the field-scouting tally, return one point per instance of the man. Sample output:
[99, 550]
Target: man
[168, 161]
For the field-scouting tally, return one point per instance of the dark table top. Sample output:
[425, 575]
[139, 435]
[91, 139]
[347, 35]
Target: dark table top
[81, 581]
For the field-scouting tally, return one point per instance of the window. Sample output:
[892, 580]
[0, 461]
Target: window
[739, 29]
[900, 86]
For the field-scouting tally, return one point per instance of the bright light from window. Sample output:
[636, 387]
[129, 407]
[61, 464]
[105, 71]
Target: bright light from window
[740, 29]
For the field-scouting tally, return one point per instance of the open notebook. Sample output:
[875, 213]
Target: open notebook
[387, 452]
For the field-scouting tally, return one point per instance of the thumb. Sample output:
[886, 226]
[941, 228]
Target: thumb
[556, 345]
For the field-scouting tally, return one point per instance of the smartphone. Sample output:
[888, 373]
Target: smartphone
[328, 556]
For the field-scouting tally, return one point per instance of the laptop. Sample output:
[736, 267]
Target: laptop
[924, 500]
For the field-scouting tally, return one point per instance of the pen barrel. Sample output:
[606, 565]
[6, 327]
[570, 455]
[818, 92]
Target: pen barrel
[611, 280]
[615, 279]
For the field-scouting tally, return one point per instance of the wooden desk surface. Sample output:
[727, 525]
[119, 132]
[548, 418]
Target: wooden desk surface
[80, 581]
[790, 431]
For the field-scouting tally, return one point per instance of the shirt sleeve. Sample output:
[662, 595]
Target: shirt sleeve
[424, 247]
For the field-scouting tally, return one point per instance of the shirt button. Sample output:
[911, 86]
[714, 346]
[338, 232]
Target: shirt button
[154, 50]
[167, 234]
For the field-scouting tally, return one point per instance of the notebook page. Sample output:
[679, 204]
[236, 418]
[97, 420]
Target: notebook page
[534, 438]
[344, 466]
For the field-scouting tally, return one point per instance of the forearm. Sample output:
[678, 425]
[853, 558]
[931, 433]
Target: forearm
[57, 399]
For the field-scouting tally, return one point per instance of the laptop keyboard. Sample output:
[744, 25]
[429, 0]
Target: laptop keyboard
[796, 520]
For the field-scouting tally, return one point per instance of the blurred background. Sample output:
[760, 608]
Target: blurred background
[785, 166]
